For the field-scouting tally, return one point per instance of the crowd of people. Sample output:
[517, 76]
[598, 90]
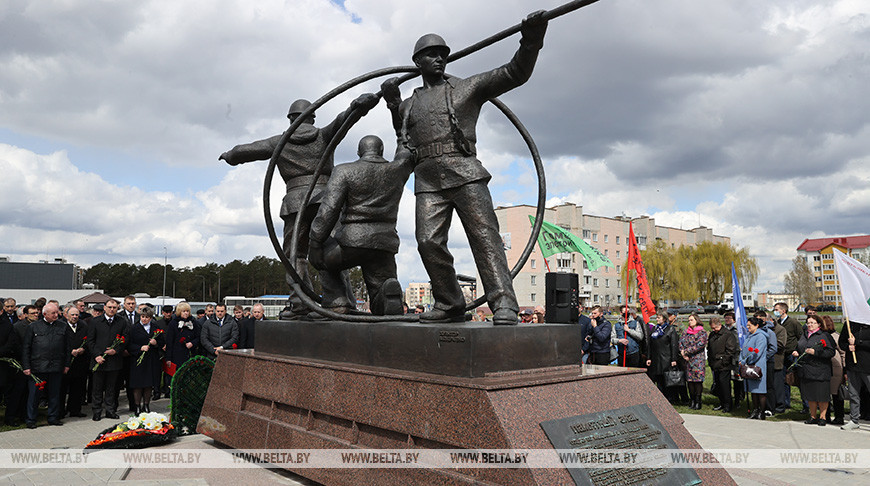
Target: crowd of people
[65, 356]
[777, 352]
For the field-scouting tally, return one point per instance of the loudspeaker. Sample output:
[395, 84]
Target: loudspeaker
[563, 297]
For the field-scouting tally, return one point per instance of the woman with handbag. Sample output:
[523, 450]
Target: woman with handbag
[753, 354]
[664, 350]
[693, 341]
[814, 351]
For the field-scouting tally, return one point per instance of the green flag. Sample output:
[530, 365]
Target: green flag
[554, 239]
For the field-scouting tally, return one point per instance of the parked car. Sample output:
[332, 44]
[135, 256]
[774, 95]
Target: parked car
[711, 308]
[688, 309]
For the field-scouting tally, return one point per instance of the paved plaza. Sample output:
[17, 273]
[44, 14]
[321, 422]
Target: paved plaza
[712, 432]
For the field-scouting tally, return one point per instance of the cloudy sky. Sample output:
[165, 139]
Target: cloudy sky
[751, 117]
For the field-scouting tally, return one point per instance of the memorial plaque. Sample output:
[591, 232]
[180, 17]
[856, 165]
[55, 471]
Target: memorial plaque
[634, 427]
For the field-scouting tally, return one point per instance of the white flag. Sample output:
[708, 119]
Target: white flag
[854, 279]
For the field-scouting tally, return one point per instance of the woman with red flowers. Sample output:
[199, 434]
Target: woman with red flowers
[814, 351]
[182, 338]
[754, 352]
[145, 341]
[693, 342]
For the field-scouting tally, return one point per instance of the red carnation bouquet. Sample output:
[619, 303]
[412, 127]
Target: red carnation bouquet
[40, 383]
[119, 339]
[82, 348]
[156, 333]
[822, 345]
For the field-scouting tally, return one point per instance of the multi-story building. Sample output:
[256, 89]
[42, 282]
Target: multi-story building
[819, 254]
[608, 235]
[768, 299]
[418, 293]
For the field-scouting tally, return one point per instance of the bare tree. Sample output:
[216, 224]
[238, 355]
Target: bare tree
[800, 281]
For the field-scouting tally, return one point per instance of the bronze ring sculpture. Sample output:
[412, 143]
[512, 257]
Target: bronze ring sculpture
[306, 293]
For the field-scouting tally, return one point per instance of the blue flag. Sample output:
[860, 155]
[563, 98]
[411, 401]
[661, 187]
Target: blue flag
[739, 310]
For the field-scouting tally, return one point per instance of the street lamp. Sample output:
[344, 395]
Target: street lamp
[203, 286]
[163, 303]
[219, 286]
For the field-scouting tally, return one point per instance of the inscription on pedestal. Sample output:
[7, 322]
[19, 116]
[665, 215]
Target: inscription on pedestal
[634, 427]
[450, 337]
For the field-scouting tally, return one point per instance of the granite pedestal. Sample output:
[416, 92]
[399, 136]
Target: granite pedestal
[263, 400]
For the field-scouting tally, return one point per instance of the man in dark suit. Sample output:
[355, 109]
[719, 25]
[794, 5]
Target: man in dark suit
[219, 333]
[246, 330]
[10, 347]
[129, 314]
[101, 336]
[16, 395]
[9, 311]
[74, 384]
[242, 322]
[84, 315]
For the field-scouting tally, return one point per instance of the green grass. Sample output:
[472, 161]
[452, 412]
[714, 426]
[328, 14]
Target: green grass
[41, 419]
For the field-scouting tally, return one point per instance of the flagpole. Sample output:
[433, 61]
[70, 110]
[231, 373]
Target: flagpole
[845, 312]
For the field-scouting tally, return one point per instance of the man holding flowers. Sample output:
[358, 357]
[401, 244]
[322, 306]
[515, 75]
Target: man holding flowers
[105, 342]
[46, 353]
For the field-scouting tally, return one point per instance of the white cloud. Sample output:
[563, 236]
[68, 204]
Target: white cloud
[751, 114]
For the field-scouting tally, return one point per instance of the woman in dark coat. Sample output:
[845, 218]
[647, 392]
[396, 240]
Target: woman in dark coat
[814, 368]
[144, 339]
[182, 337]
[664, 350]
[693, 342]
[722, 350]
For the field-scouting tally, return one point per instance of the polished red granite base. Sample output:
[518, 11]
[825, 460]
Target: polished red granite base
[257, 400]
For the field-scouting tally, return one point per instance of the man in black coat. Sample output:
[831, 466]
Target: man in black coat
[10, 347]
[219, 333]
[246, 330]
[16, 395]
[45, 354]
[855, 340]
[129, 314]
[722, 351]
[244, 324]
[84, 315]
[75, 382]
[9, 311]
[101, 345]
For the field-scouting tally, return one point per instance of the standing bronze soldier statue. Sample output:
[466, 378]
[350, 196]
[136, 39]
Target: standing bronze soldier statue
[298, 160]
[437, 124]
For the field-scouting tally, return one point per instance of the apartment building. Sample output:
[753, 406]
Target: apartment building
[608, 234]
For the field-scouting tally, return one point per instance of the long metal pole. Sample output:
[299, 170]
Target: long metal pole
[163, 303]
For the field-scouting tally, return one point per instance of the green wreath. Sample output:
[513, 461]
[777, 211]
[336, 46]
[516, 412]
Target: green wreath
[189, 387]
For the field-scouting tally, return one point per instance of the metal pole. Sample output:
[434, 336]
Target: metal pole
[163, 303]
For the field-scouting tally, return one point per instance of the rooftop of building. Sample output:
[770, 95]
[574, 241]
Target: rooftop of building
[851, 242]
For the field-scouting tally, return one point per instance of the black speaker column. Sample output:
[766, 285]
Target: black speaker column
[563, 297]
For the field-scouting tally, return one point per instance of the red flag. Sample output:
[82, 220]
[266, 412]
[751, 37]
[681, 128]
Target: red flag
[636, 264]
